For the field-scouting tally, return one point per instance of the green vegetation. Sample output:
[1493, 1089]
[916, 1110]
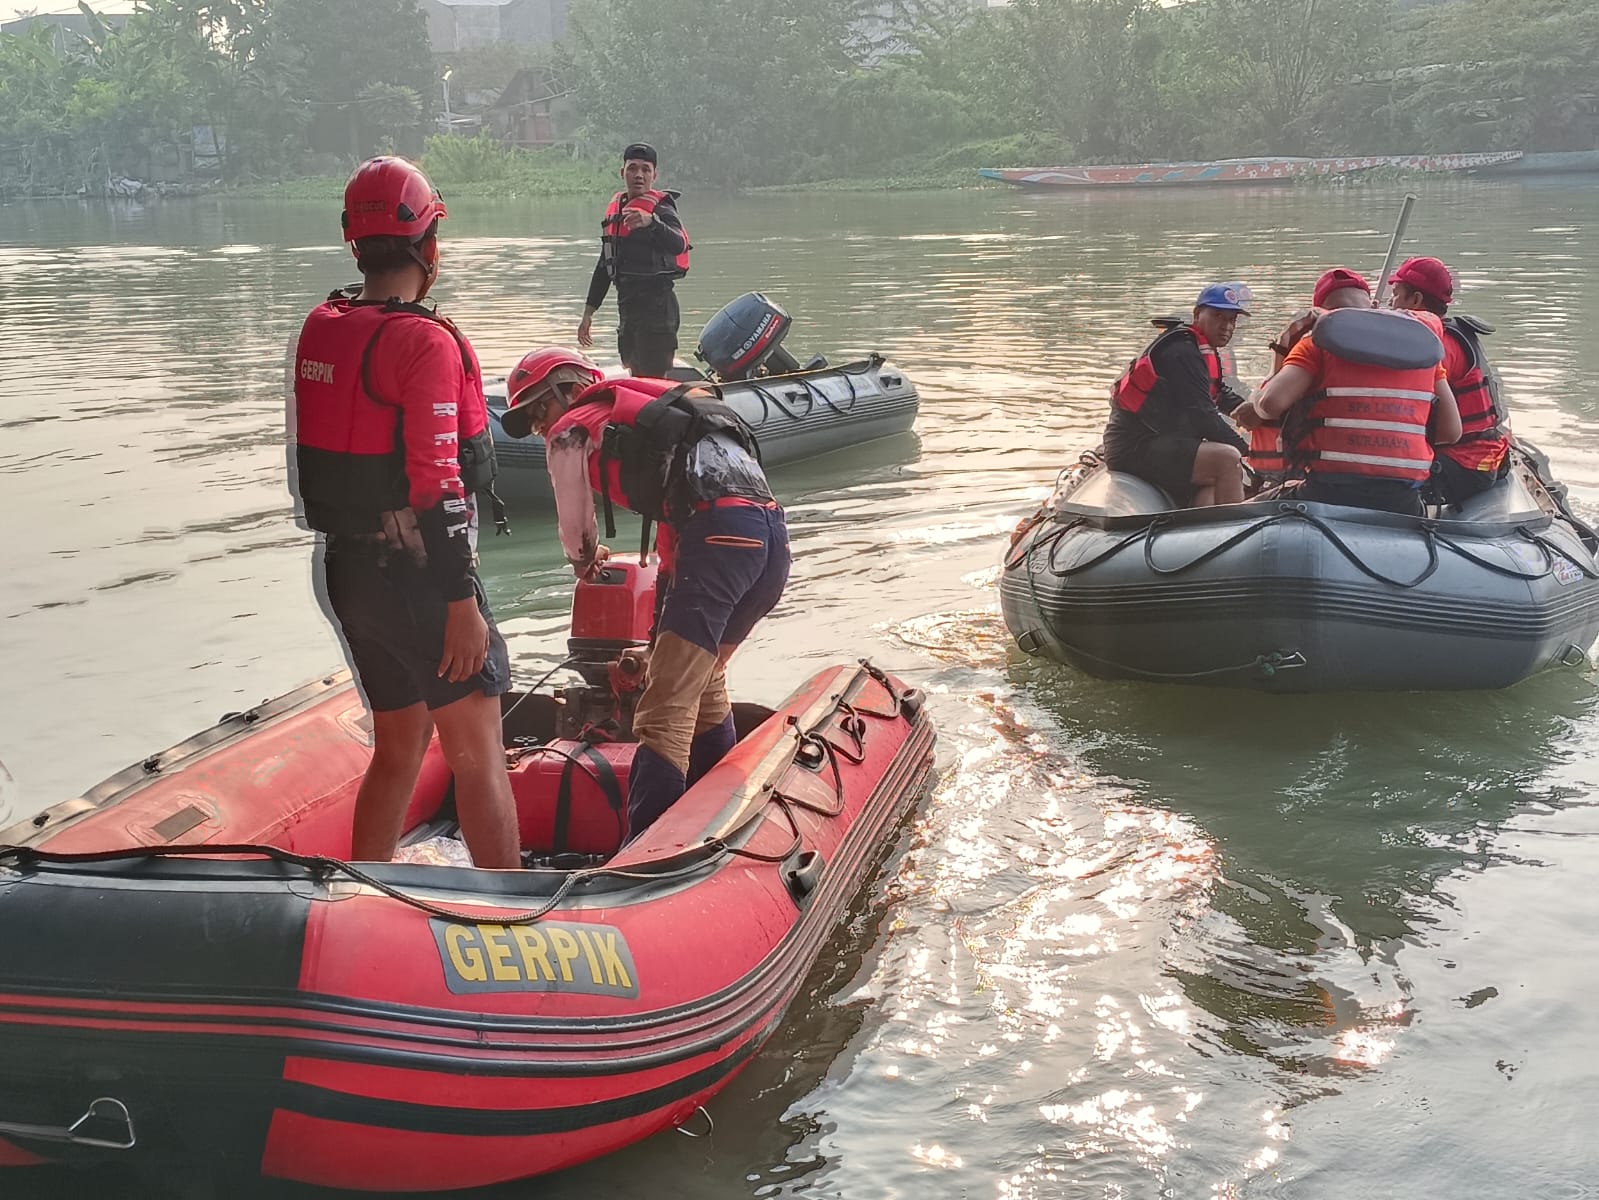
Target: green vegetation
[783, 92]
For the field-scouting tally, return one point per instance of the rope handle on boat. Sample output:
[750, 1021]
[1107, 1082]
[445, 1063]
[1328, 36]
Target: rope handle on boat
[320, 867]
[1431, 534]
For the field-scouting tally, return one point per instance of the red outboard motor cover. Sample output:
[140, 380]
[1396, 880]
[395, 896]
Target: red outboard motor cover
[614, 610]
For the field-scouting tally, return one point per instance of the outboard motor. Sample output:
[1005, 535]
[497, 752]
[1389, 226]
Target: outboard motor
[745, 341]
[612, 615]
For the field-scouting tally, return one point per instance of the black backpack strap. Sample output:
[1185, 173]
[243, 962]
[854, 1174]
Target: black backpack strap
[599, 768]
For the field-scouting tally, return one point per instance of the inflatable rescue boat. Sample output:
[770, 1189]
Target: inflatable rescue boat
[1289, 596]
[194, 974]
[797, 410]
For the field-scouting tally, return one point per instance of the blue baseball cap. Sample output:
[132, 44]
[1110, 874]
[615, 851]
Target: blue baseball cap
[1228, 297]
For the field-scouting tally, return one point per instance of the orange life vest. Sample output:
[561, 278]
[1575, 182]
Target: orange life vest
[1367, 421]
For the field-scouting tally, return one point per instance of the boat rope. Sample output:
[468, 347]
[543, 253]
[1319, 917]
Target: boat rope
[322, 868]
[1432, 535]
[1266, 665]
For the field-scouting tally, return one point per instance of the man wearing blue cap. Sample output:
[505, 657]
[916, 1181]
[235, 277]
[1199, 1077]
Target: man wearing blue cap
[1166, 423]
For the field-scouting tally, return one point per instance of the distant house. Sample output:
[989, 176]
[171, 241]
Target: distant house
[528, 111]
[465, 24]
[65, 24]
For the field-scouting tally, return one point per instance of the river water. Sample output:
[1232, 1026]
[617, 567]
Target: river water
[1141, 940]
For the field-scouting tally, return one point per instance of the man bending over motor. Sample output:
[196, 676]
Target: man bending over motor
[674, 454]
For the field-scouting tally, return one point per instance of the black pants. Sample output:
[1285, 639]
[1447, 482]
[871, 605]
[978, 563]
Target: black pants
[1385, 495]
[646, 334]
[1455, 484]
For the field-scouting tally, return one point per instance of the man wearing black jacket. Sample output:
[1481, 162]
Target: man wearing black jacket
[643, 249]
[1166, 421]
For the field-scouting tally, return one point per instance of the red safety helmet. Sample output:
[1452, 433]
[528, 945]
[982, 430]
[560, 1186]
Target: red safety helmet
[1428, 276]
[389, 197]
[551, 364]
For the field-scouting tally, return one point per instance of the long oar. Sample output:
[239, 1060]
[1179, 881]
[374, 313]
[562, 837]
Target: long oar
[1393, 249]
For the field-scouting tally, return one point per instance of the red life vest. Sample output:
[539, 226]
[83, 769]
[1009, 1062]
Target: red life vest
[1132, 390]
[640, 431]
[613, 230]
[350, 450]
[1482, 445]
[1265, 454]
[1367, 421]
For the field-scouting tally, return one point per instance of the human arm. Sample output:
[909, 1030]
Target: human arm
[1282, 391]
[599, 285]
[424, 375]
[1445, 423]
[666, 228]
[567, 459]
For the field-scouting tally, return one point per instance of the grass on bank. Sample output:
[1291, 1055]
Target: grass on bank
[481, 166]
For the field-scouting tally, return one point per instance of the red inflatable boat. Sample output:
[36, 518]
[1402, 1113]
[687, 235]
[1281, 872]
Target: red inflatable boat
[193, 974]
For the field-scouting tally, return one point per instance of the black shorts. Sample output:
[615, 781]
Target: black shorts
[646, 332]
[392, 615]
[1454, 484]
[1385, 495]
[1165, 460]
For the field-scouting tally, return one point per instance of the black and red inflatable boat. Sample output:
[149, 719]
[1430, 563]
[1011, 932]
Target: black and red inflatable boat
[193, 974]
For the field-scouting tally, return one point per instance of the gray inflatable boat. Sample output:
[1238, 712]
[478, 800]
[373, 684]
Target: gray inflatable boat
[1289, 596]
[795, 416]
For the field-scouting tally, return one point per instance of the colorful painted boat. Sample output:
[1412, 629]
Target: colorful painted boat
[1239, 170]
[193, 977]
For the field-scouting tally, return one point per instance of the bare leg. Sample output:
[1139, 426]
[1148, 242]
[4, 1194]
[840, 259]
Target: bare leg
[399, 740]
[1219, 474]
[473, 745]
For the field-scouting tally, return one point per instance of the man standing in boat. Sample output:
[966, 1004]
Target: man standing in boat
[1368, 399]
[678, 456]
[1166, 424]
[391, 443]
[1482, 455]
[643, 251]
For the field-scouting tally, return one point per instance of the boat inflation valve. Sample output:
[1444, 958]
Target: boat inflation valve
[802, 873]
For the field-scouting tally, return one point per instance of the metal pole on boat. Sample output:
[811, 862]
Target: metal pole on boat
[1393, 249]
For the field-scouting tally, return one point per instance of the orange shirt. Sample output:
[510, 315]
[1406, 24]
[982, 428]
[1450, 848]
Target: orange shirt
[1311, 357]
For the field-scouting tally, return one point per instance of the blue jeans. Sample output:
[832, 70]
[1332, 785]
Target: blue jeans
[732, 565]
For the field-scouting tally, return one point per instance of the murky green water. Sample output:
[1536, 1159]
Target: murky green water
[1141, 941]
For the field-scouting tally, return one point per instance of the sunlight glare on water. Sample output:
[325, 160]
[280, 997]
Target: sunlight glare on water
[1139, 941]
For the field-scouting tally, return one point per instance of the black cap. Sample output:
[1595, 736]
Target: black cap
[640, 150]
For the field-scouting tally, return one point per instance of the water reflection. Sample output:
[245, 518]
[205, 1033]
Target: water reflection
[1137, 929]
